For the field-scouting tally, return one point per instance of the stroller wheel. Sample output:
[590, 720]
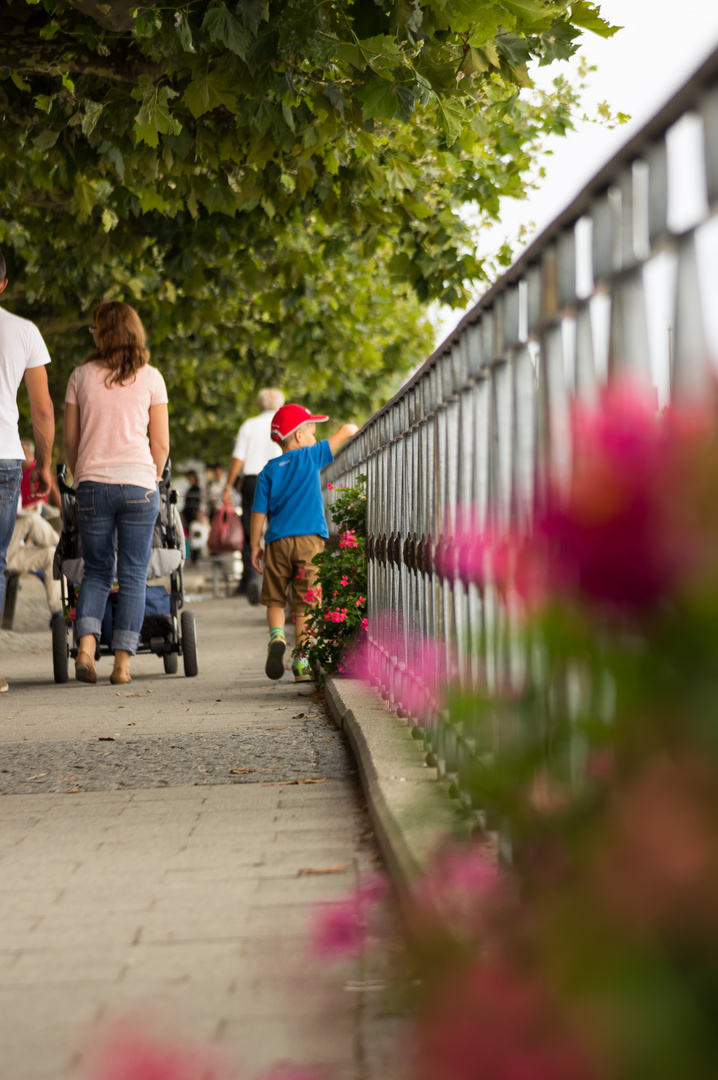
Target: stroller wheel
[171, 663]
[59, 649]
[189, 644]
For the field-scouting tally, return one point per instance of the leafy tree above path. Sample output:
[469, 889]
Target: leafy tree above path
[205, 137]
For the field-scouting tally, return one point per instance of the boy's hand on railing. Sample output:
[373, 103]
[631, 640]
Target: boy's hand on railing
[340, 437]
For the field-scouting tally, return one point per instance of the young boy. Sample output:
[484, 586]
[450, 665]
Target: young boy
[289, 493]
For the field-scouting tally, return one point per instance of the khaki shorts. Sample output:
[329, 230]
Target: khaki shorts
[288, 561]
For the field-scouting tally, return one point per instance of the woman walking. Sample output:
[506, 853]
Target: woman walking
[111, 401]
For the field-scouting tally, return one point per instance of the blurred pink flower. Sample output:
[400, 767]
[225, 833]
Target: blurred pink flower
[620, 537]
[344, 580]
[330, 487]
[365, 625]
[361, 600]
[340, 927]
[348, 539]
[128, 1053]
[458, 888]
[495, 1023]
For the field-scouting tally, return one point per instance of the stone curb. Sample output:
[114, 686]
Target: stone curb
[410, 807]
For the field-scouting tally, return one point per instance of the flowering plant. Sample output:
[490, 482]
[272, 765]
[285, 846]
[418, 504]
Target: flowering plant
[337, 615]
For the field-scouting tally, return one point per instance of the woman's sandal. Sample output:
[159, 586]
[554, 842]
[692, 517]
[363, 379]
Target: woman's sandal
[120, 677]
[85, 668]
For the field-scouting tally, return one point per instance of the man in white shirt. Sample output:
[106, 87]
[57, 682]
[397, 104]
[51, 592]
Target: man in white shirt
[252, 450]
[23, 355]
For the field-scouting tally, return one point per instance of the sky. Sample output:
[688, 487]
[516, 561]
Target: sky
[662, 42]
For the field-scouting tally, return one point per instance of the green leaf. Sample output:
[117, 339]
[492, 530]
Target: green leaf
[85, 196]
[253, 12]
[155, 116]
[93, 110]
[152, 200]
[586, 15]
[45, 139]
[537, 10]
[44, 102]
[184, 32]
[349, 53]
[220, 200]
[474, 62]
[378, 100]
[223, 27]
[453, 115]
[114, 156]
[49, 30]
[19, 81]
[207, 91]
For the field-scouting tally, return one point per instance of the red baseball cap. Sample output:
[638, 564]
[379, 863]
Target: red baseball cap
[290, 417]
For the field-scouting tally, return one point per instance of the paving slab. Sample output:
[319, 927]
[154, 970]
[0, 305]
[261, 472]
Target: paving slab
[140, 875]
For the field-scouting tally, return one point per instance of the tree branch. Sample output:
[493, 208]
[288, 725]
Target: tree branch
[118, 19]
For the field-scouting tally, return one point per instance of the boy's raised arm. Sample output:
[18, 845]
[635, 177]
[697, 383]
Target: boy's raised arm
[339, 437]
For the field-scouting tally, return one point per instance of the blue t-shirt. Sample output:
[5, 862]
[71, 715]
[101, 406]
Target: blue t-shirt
[289, 491]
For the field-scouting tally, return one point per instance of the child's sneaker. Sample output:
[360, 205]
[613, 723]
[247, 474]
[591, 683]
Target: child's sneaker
[274, 668]
[302, 671]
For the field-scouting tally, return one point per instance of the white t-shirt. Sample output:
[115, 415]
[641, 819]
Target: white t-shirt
[254, 444]
[21, 347]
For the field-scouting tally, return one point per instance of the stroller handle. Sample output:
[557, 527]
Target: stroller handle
[65, 488]
[62, 483]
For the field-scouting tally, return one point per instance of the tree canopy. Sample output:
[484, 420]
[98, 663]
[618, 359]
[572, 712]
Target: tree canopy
[276, 184]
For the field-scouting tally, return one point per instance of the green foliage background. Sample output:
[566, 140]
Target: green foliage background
[275, 184]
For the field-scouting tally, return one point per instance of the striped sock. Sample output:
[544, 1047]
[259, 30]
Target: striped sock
[276, 631]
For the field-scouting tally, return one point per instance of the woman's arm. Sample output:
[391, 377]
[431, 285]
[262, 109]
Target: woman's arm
[72, 434]
[159, 437]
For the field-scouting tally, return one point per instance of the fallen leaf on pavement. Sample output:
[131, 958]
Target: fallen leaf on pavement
[308, 871]
[74, 791]
[107, 738]
[240, 772]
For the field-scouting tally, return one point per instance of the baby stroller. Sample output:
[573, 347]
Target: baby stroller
[166, 631]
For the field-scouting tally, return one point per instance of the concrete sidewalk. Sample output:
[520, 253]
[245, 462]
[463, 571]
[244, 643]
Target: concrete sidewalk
[162, 847]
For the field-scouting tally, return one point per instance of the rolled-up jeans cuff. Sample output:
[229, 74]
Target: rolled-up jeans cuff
[125, 639]
[88, 625]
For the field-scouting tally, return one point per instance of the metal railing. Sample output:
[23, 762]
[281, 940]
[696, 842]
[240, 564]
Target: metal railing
[486, 419]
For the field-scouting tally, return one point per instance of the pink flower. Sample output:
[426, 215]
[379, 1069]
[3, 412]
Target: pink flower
[330, 487]
[348, 539]
[365, 625]
[340, 927]
[360, 601]
[128, 1053]
[623, 536]
[301, 573]
[337, 616]
[341, 669]
[459, 889]
[344, 580]
[497, 1023]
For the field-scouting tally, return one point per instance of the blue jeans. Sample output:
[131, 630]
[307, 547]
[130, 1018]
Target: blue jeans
[10, 477]
[129, 513]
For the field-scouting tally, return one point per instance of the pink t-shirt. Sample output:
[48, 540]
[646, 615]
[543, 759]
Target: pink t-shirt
[114, 444]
